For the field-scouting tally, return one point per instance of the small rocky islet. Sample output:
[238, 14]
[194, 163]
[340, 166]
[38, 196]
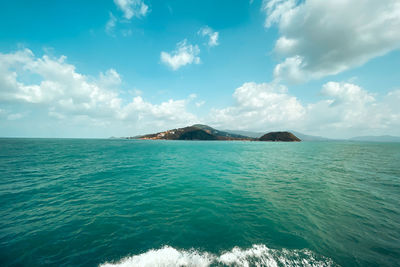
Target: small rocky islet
[204, 132]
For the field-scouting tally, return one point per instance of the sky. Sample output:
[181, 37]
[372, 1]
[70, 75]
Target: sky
[95, 69]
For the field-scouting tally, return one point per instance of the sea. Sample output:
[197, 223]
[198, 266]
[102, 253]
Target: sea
[116, 202]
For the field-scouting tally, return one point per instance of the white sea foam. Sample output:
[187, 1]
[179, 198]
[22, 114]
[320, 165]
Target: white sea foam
[257, 255]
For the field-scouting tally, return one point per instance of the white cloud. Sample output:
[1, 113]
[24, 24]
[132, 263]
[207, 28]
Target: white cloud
[183, 55]
[111, 23]
[276, 9]
[320, 38]
[200, 103]
[164, 115]
[126, 32]
[259, 107]
[15, 116]
[211, 34]
[5, 114]
[346, 110]
[132, 8]
[110, 79]
[67, 94]
[290, 70]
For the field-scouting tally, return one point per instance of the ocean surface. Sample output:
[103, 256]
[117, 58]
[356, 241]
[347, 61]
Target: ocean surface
[76, 202]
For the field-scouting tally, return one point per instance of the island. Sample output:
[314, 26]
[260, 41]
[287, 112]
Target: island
[205, 132]
[279, 136]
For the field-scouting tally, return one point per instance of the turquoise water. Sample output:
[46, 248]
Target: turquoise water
[92, 202]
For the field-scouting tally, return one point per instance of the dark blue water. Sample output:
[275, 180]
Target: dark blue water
[193, 203]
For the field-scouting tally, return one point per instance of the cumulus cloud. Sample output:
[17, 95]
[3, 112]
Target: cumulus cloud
[345, 110]
[165, 115]
[184, 54]
[66, 93]
[110, 79]
[210, 34]
[132, 8]
[259, 107]
[320, 38]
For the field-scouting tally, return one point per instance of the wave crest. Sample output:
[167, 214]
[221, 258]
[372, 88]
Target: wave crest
[257, 255]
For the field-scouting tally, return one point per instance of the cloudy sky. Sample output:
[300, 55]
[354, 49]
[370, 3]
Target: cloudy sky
[127, 67]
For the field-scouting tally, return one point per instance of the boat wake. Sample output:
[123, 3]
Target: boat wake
[257, 255]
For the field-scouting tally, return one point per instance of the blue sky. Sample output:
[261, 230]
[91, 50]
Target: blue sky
[127, 67]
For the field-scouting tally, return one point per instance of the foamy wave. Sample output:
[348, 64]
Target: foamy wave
[258, 255]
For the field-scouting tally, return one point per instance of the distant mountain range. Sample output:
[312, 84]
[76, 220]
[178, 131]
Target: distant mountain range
[382, 138]
[306, 137]
[204, 132]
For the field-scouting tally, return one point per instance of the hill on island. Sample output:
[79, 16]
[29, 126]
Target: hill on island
[195, 132]
[279, 136]
[204, 132]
